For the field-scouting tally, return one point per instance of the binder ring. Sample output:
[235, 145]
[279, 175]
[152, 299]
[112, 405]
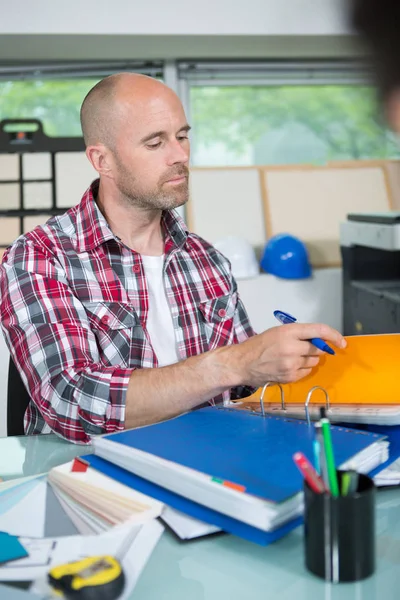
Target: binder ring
[310, 393]
[262, 396]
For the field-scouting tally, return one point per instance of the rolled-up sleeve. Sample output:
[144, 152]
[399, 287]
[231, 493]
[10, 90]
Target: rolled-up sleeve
[51, 341]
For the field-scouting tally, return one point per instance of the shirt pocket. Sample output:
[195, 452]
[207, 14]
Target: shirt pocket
[116, 328]
[218, 317]
[110, 315]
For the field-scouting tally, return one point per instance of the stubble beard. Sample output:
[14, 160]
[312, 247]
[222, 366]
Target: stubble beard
[158, 198]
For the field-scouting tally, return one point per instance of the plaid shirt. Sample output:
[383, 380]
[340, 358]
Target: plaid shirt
[74, 305]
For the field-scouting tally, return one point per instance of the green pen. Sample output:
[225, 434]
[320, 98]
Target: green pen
[346, 478]
[330, 460]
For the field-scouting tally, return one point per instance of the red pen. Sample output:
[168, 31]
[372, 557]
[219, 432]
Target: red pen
[309, 473]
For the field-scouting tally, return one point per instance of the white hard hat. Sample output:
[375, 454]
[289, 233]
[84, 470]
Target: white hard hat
[241, 256]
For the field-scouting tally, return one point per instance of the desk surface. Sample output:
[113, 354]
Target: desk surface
[223, 567]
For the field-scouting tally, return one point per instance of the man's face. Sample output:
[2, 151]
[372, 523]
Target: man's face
[151, 153]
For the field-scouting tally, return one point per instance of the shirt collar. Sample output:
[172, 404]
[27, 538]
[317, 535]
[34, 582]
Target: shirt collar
[92, 229]
[175, 229]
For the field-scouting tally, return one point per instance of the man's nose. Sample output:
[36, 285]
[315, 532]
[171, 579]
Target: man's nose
[178, 153]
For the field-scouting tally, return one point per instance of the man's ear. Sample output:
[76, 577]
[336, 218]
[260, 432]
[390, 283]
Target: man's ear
[100, 158]
[393, 110]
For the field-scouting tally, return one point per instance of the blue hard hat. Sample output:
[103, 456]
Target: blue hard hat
[286, 256]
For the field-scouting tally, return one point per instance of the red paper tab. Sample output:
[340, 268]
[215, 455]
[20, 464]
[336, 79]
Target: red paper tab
[78, 466]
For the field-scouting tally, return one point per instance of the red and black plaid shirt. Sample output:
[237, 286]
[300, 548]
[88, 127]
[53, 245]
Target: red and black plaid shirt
[74, 306]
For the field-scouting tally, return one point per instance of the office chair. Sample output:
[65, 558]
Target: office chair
[17, 401]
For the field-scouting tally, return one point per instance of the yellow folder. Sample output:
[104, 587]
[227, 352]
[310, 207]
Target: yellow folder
[367, 371]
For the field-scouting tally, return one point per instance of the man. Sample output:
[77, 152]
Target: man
[114, 313]
[378, 22]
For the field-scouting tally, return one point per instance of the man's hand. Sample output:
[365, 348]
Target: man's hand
[282, 354]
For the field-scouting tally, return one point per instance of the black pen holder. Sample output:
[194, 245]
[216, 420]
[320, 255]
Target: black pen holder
[339, 533]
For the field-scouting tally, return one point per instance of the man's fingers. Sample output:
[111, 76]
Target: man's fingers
[309, 349]
[309, 362]
[302, 373]
[306, 331]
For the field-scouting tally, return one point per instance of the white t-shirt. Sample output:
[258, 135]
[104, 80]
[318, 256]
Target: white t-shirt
[159, 320]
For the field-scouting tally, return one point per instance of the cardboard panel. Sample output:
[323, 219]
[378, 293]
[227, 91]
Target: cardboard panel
[74, 174]
[31, 222]
[9, 196]
[311, 203]
[227, 202]
[9, 230]
[37, 195]
[9, 167]
[36, 165]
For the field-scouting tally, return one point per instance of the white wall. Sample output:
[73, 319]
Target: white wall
[175, 17]
[316, 300]
[44, 30]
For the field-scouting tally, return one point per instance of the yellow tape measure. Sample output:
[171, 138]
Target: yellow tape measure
[93, 578]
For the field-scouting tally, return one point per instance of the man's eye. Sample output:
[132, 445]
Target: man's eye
[183, 137]
[154, 146]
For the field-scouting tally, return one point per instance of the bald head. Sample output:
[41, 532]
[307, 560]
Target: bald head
[102, 110]
[136, 133]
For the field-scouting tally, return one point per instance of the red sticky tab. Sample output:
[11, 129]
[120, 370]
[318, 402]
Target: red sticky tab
[78, 466]
[234, 486]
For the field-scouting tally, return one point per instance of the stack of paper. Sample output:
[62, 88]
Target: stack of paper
[95, 502]
[230, 468]
[389, 476]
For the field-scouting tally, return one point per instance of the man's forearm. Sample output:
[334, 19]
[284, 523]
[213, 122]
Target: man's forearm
[157, 394]
[281, 354]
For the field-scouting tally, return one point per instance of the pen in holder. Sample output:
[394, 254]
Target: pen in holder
[339, 532]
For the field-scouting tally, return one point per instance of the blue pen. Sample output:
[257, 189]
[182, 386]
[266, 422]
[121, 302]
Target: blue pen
[317, 451]
[285, 319]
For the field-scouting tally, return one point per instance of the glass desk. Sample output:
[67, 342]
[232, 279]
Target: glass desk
[223, 567]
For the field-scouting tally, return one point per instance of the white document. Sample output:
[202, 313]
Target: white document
[26, 517]
[14, 483]
[132, 545]
[186, 528]
[339, 413]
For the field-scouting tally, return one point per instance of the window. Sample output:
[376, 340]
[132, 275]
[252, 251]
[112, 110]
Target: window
[35, 172]
[284, 117]
[55, 102]
[54, 94]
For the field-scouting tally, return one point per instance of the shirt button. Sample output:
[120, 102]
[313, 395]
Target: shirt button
[105, 320]
[136, 269]
[222, 312]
